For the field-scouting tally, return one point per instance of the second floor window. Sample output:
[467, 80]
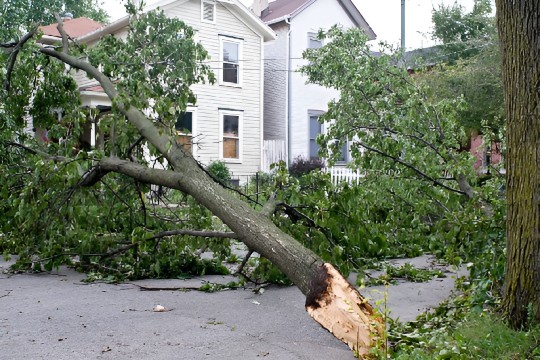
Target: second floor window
[313, 42]
[230, 54]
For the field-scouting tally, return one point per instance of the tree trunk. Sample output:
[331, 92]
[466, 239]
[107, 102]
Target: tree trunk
[519, 32]
[330, 299]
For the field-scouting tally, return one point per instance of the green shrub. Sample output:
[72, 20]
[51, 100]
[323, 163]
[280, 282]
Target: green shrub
[219, 171]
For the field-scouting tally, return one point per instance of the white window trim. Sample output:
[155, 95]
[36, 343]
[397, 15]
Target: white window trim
[240, 115]
[194, 147]
[212, 2]
[240, 43]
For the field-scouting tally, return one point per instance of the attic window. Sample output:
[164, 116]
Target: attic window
[208, 11]
[313, 41]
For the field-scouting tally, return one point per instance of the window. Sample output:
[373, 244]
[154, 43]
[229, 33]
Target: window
[344, 152]
[313, 42]
[208, 11]
[315, 129]
[230, 54]
[185, 129]
[231, 135]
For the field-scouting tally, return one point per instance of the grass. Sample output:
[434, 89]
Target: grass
[479, 336]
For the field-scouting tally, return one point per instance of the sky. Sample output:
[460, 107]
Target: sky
[384, 17]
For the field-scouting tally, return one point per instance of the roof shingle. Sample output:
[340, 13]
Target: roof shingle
[280, 8]
[73, 27]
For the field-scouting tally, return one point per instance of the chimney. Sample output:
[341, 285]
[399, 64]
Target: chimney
[259, 6]
[67, 16]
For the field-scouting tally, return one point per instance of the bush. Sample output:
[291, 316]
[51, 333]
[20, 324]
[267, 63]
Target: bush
[301, 166]
[219, 171]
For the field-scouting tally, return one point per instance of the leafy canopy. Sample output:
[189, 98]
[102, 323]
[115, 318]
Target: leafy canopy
[19, 16]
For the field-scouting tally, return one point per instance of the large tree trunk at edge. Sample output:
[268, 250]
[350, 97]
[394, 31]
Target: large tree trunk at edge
[330, 299]
[519, 32]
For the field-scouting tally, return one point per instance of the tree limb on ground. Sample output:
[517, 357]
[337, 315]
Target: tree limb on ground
[357, 324]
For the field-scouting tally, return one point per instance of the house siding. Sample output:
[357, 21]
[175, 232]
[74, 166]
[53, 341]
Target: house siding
[212, 98]
[275, 85]
[303, 97]
[309, 97]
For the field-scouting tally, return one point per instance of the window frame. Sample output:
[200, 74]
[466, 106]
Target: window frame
[240, 115]
[214, 11]
[317, 114]
[312, 36]
[193, 111]
[223, 39]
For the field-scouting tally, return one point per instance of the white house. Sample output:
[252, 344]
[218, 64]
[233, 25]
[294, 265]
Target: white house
[226, 123]
[292, 107]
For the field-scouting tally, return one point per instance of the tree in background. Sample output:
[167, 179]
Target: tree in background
[467, 65]
[41, 12]
[463, 34]
[519, 33]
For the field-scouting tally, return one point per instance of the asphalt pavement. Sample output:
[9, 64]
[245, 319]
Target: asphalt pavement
[56, 316]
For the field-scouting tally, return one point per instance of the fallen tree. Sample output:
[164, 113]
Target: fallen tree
[330, 299]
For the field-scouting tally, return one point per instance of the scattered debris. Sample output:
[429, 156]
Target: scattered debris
[159, 308]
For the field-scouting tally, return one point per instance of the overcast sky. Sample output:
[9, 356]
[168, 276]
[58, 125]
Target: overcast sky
[384, 17]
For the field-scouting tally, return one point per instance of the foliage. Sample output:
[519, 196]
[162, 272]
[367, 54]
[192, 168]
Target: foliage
[111, 228]
[469, 66]
[463, 34]
[219, 171]
[478, 81]
[302, 166]
[405, 272]
[473, 335]
[19, 16]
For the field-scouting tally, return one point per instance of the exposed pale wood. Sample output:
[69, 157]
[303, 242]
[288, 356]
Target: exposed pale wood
[335, 304]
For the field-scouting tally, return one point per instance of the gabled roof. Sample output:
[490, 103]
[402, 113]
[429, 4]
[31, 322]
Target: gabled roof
[73, 27]
[235, 6]
[281, 10]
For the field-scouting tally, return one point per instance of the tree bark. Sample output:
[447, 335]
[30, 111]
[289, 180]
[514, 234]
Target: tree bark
[519, 33]
[330, 298]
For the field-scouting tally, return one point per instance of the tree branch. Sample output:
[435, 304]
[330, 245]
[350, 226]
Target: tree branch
[270, 207]
[60, 27]
[13, 58]
[200, 233]
[409, 166]
[296, 215]
[43, 154]
[415, 137]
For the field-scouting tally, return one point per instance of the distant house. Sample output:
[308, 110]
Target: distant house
[292, 107]
[226, 123]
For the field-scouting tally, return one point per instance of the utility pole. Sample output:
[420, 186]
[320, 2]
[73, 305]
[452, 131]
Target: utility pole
[403, 26]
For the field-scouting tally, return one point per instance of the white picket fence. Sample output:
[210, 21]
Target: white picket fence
[343, 174]
[273, 152]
